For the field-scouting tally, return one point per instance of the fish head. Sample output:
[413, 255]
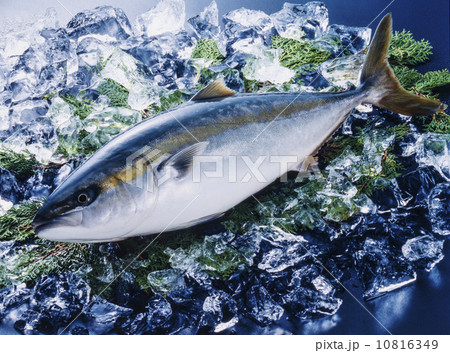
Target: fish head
[94, 205]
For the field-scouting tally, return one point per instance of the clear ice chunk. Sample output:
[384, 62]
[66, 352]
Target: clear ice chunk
[246, 30]
[27, 112]
[17, 36]
[261, 307]
[125, 69]
[351, 40]
[433, 150]
[104, 315]
[206, 24]
[93, 51]
[219, 312]
[265, 66]
[48, 65]
[105, 23]
[60, 112]
[38, 138]
[54, 301]
[213, 258]
[381, 270]
[5, 205]
[159, 311]
[298, 21]
[281, 258]
[342, 72]
[310, 294]
[424, 251]
[166, 280]
[166, 16]
[439, 209]
[102, 125]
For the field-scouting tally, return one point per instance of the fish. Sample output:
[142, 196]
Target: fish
[192, 163]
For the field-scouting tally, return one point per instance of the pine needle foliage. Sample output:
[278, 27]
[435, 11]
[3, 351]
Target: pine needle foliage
[297, 53]
[23, 165]
[166, 102]
[405, 50]
[16, 223]
[439, 123]
[82, 106]
[117, 94]
[207, 49]
[425, 84]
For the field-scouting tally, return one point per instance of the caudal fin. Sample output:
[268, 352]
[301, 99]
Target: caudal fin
[384, 89]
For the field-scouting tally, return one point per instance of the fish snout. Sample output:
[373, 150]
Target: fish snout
[47, 217]
[40, 218]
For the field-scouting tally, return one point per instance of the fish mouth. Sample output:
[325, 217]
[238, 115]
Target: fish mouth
[67, 220]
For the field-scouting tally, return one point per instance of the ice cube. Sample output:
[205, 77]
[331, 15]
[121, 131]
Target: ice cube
[247, 30]
[60, 112]
[12, 297]
[166, 16]
[310, 294]
[102, 125]
[219, 312]
[261, 307]
[265, 66]
[27, 112]
[103, 316]
[38, 138]
[297, 21]
[206, 24]
[17, 36]
[351, 40]
[5, 205]
[433, 150]
[217, 256]
[159, 311]
[69, 136]
[105, 23]
[142, 95]
[36, 188]
[46, 66]
[439, 209]
[418, 183]
[54, 301]
[147, 50]
[93, 51]
[281, 258]
[342, 72]
[424, 251]
[381, 270]
[166, 280]
[122, 68]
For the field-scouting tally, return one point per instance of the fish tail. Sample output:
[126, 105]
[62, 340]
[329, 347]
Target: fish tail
[384, 89]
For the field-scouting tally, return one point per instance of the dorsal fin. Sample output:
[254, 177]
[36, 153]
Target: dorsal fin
[215, 89]
[182, 161]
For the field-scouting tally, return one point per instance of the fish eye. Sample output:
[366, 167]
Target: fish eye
[83, 198]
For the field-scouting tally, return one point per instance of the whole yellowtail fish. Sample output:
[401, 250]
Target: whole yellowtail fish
[191, 164]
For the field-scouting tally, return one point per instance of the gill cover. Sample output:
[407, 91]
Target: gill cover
[127, 200]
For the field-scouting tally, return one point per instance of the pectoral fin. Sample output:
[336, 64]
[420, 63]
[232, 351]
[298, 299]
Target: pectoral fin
[183, 161]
